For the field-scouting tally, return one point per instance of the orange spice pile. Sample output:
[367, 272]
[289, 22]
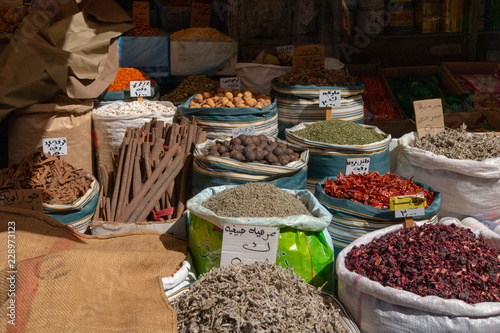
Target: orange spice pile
[125, 75]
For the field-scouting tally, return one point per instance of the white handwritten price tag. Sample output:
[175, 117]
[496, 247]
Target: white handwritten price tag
[250, 130]
[140, 88]
[231, 83]
[288, 49]
[55, 146]
[245, 243]
[357, 166]
[330, 98]
[410, 212]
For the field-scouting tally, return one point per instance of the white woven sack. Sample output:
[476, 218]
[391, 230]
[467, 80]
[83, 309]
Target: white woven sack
[376, 308]
[110, 130]
[258, 76]
[468, 188]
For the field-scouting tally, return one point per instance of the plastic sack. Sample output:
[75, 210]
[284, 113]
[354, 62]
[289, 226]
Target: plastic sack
[200, 56]
[110, 130]
[376, 308]
[258, 76]
[326, 160]
[79, 213]
[181, 280]
[303, 243]
[219, 122]
[468, 188]
[211, 171]
[148, 54]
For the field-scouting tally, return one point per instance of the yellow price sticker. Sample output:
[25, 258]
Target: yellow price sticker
[407, 202]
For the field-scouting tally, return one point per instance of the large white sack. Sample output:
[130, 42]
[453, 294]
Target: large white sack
[258, 76]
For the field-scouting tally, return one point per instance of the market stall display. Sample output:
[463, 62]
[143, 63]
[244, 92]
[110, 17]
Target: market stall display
[302, 221]
[191, 86]
[69, 194]
[463, 166]
[334, 145]
[444, 274]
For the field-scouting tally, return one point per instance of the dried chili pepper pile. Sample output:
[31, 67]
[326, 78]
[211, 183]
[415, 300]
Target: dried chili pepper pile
[125, 75]
[373, 189]
[61, 182]
[445, 261]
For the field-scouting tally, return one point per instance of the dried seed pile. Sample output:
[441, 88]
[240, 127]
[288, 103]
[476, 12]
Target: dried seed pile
[458, 144]
[192, 33]
[257, 297]
[61, 182]
[255, 200]
[445, 261]
[340, 132]
[134, 107]
[319, 77]
[189, 87]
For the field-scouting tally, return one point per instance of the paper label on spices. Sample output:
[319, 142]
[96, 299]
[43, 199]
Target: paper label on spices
[288, 49]
[55, 146]
[200, 14]
[247, 244]
[410, 212]
[407, 202]
[429, 116]
[140, 12]
[357, 166]
[140, 88]
[249, 130]
[309, 55]
[25, 199]
[330, 98]
[231, 83]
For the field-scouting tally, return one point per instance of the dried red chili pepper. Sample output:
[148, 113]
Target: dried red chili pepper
[373, 189]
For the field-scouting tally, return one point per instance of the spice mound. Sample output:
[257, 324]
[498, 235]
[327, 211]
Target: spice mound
[61, 182]
[125, 75]
[135, 107]
[189, 87]
[192, 33]
[230, 99]
[142, 30]
[446, 261]
[318, 76]
[254, 148]
[255, 200]
[340, 132]
[373, 189]
[459, 144]
[257, 297]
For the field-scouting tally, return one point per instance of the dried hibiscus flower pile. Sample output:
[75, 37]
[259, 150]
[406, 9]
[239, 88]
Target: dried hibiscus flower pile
[373, 189]
[446, 261]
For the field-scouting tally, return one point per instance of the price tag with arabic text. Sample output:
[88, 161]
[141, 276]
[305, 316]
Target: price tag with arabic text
[246, 243]
[330, 98]
[26, 199]
[357, 166]
[288, 49]
[140, 88]
[55, 146]
[140, 12]
[429, 116]
[408, 205]
[231, 83]
[250, 130]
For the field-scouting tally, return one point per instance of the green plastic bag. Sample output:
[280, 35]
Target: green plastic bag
[303, 245]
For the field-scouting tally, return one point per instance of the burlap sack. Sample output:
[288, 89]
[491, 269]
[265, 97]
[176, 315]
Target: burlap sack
[69, 282]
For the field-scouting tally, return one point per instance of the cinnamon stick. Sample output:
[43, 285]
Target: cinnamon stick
[116, 188]
[181, 203]
[127, 175]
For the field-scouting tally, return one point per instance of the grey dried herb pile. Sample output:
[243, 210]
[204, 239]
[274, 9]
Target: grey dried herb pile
[257, 297]
[459, 144]
[340, 132]
[255, 200]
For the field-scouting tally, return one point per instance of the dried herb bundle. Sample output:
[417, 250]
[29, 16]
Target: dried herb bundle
[61, 182]
[318, 76]
[445, 261]
[257, 297]
[340, 132]
[255, 200]
[459, 144]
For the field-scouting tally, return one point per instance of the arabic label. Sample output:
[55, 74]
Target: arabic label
[410, 212]
[407, 202]
[309, 55]
[235, 132]
[285, 48]
[55, 146]
[357, 166]
[140, 12]
[231, 83]
[140, 88]
[25, 199]
[429, 116]
[200, 14]
[246, 243]
[330, 98]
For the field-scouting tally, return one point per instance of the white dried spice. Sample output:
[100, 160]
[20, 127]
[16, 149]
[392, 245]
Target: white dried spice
[135, 107]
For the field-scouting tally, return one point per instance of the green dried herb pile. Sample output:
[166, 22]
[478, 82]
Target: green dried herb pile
[339, 132]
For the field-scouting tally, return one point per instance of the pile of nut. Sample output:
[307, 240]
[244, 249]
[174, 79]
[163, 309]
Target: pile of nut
[254, 148]
[191, 86]
[230, 99]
